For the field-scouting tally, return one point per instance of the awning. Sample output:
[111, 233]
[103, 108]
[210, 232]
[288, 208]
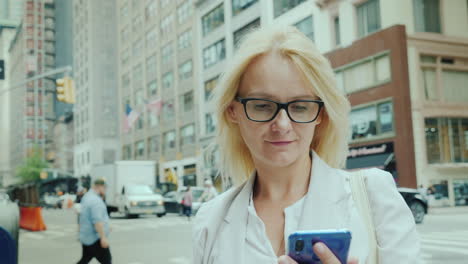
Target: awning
[370, 161]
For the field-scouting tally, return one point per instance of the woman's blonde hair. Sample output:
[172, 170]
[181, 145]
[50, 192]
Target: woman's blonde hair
[330, 138]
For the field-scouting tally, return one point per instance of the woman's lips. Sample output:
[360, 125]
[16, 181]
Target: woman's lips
[280, 143]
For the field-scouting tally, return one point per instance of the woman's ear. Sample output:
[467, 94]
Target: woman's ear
[231, 113]
[319, 118]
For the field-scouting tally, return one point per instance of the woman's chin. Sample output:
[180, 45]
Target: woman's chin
[280, 159]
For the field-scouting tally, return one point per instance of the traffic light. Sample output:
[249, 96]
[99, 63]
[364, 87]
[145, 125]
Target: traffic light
[65, 90]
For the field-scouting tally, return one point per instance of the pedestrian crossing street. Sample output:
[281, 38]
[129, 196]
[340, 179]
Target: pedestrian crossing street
[117, 225]
[436, 244]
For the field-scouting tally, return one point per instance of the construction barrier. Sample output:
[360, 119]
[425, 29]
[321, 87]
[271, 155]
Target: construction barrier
[31, 219]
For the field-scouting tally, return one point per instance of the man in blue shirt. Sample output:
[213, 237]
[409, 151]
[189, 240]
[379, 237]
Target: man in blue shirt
[94, 225]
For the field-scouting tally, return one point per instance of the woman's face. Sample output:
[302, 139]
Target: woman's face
[281, 141]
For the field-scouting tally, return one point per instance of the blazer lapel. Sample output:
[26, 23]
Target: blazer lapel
[327, 199]
[236, 218]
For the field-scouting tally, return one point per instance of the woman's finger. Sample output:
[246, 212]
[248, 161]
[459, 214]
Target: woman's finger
[325, 254]
[353, 261]
[286, 260]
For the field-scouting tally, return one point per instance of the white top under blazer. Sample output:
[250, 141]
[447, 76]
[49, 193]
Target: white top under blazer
[226, 230]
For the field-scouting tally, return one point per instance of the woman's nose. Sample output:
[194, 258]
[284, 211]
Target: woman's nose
[282, 121]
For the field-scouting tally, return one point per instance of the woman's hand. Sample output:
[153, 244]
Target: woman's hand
[323, 252]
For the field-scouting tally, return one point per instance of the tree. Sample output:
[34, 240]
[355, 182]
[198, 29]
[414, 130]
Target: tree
[32, 166]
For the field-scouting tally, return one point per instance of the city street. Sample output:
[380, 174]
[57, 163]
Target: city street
[133, 241]
[167, 240]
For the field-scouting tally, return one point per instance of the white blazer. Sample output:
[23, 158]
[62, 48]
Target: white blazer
[219, 229]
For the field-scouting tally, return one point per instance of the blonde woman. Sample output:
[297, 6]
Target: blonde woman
[283, 128]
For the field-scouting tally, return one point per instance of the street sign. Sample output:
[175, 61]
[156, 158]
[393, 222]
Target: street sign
[2, 70]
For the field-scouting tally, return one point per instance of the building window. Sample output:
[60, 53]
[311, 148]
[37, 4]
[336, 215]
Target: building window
[372, 121]
[210, 123]
[126, 82]
[168, 80]
[169, 140]
[446, 140]
[209, 86]
[137, 24]
[184, 40]
[166, 54]
[151, 10]
[140, 148]
[187, 102]
[368, 17]
[164, 3]
[240, 5]
[153, 144]
[138, 47]
[213, 19]
[151, 40]
[283, 6]
[166, 25]
[153, 88]
[151, 73]
[187, 135]
[168, 110]
[185, 70]
[184, 11]
[306, 26]
[125, 57]
[427, 15]
[125, 34]
[127, 152]
[137, 76]
[124, 11]
[336, 22]
[240, 33]
[214, 53]
[367, 73]
[153, 120]
[444, 78]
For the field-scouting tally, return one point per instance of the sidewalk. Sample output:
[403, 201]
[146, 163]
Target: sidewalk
[448, 210]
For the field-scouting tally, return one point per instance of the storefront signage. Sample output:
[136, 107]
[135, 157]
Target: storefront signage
[370, 150]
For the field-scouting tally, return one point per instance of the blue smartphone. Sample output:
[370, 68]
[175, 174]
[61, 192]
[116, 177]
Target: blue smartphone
[300, 245]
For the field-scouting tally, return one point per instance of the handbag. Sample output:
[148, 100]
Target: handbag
[358, 183]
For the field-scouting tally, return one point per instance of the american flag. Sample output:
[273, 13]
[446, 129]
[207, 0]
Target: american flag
[131, 116]
[155, 106]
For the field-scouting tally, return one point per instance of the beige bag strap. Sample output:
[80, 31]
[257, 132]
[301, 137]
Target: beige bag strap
[358, 183]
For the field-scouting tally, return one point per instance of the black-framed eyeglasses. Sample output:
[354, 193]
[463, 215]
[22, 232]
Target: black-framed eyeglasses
[264, 110]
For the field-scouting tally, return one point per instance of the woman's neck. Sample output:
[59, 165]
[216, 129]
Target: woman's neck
[283, 183]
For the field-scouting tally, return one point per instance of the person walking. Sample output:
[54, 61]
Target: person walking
[94, 225]
[209, 192]
[187, 203]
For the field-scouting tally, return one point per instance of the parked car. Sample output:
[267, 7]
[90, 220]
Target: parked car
[416, 202]
[173, 200]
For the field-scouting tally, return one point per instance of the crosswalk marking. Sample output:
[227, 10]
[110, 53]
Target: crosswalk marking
[56, 231]
[454, 242]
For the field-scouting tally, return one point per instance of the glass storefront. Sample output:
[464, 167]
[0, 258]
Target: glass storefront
[460, 190]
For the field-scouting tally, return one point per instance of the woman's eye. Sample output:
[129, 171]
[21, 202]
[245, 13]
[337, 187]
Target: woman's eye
[262, 106]
[299, 108]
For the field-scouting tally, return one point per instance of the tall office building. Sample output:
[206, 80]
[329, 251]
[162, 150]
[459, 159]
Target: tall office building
[158, 62]
[32, 53]
[10, 15]
[95, 120]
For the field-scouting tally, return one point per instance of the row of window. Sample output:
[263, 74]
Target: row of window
[444, 78]
[446, 140]
[187, 137]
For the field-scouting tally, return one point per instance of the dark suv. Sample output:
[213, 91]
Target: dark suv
[416, 202]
